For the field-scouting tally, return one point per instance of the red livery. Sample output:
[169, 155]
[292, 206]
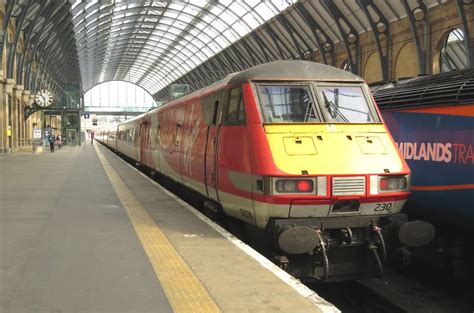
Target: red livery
[297, 151]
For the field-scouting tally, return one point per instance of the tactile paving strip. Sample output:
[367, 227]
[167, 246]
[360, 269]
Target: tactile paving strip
[183, 289]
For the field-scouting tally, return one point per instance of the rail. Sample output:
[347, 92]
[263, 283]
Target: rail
[28, 144]
[25, 142]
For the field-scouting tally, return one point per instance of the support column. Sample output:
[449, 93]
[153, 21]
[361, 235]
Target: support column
[35, 118]
[9, 113]
[15, 120]
[20, 117]
[3, 116]
[28, 122]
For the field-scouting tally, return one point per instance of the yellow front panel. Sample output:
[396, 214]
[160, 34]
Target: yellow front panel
[299, 145]
[333, 149]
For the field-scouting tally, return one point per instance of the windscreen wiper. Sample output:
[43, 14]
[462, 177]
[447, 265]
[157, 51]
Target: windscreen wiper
[333, 109]
[358, 111]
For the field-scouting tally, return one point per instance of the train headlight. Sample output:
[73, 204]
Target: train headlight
[393, 183]
[305, 186]
[283, 186]
[293, 185]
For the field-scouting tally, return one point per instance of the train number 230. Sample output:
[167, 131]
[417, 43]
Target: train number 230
[384, 206]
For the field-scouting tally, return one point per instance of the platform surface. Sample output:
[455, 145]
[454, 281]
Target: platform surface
[82, 231]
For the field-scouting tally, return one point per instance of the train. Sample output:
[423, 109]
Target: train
[432, 121]
[294, 149]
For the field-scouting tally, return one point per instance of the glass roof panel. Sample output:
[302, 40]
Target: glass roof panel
[185, 18]
[265, 11]
[146, 41]
[240, 29]
[171, 14]
[237, 8]
[250, 19]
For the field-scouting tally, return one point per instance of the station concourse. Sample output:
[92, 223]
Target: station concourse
[83, 231]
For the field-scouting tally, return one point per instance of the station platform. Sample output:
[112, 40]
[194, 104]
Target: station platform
[83, 231]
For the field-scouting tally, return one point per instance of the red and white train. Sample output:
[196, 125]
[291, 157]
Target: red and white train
[294, 148]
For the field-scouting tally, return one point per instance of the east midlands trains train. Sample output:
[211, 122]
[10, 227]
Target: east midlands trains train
[432, 121]
[295, 149]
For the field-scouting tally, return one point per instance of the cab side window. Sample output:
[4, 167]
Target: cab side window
[235, 112]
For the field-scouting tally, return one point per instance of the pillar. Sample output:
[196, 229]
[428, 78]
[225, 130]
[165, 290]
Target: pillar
[9, 116]
[28, 123]
[18, 95]
[3, 115]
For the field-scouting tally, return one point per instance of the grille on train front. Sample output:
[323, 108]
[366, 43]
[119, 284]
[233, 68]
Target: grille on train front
[346, 186]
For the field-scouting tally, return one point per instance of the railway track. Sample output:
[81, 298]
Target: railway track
[395, 293]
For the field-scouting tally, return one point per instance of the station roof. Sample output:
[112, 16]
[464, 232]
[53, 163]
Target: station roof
[153, 43]
[197, 42]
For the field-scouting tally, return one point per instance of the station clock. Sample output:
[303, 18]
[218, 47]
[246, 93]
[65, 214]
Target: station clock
[44, 98]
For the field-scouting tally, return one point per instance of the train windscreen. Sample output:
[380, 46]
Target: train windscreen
[287, 103]
[345, 104]
[294, 103]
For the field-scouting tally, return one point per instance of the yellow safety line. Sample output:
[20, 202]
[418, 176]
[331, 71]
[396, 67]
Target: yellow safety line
[184, 290]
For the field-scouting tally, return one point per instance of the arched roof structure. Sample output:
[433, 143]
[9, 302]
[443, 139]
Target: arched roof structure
[196, 42]
[153, 43]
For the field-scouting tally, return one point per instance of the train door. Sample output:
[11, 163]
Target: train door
[144, 142]
[212, 148]
[176, 147]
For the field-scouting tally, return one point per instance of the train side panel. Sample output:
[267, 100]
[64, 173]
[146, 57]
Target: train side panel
[235, 186]
[127, 139]
[437, 144]
[193, 147]
[170, 121]
[110, 138]
[239, 143]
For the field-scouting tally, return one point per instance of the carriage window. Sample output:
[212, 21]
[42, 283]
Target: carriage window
[287, 104]
[345, 104]
[131, 134]
[207, 107]
[210, 108]
[235, 114]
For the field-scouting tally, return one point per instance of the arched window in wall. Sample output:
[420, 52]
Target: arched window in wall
[373, 69]
[453, 54]
[406, 63]
[118, 94]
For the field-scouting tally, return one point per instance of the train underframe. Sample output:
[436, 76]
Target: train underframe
[328, 250]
